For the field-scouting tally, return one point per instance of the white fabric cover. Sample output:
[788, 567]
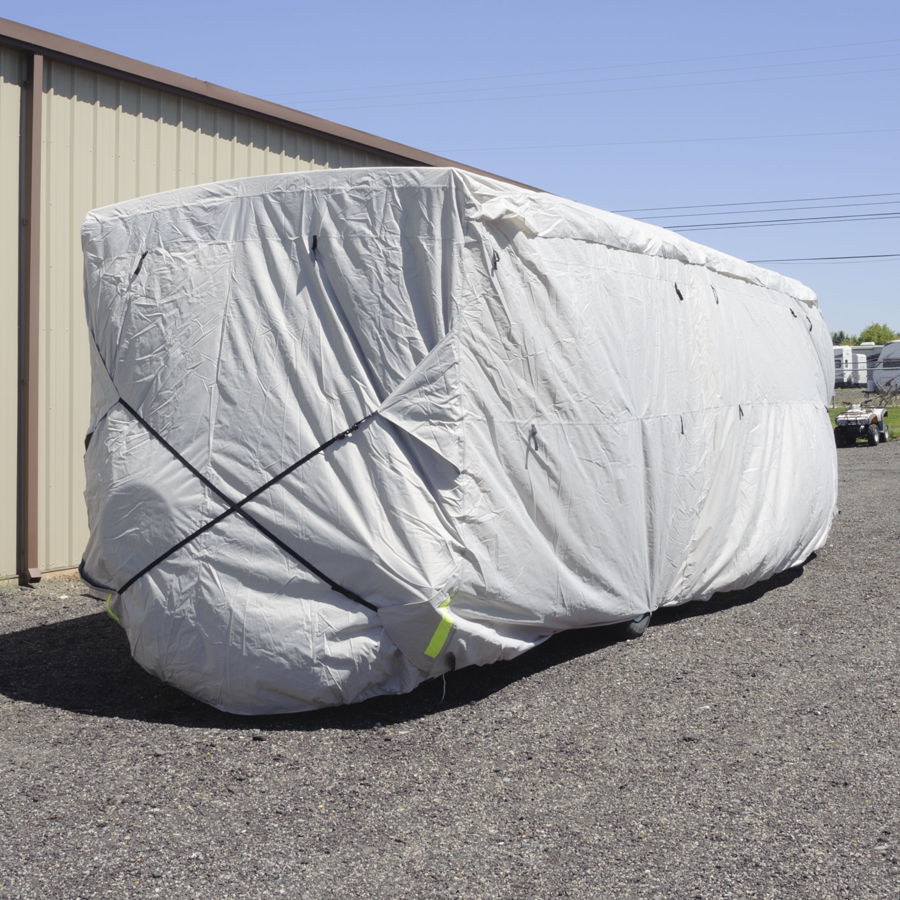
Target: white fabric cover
[575, 419]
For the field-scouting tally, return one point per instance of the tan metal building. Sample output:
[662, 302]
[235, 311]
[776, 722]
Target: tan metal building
[80, 128]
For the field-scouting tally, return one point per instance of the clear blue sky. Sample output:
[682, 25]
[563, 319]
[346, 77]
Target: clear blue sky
[708, 105]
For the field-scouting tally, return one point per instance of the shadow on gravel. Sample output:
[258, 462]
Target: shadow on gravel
[84, 665]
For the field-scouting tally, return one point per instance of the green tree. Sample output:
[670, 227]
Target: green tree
[841, 337]
[878, 334]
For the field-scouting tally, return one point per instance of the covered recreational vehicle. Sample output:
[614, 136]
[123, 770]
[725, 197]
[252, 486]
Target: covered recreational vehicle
[351, 429]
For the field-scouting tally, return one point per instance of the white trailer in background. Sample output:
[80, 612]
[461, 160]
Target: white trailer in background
[872, 351]
[860, 369]
[843, 366]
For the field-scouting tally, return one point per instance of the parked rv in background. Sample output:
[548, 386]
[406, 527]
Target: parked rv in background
[886, 376]
[872, 351]
[843, 366]
[855, 366]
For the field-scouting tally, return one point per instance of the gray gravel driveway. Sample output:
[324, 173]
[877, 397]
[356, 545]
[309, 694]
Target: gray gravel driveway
[746, 747]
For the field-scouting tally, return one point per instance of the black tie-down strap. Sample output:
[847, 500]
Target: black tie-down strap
[238, 507]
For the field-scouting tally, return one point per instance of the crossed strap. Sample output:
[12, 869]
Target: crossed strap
[238, 507]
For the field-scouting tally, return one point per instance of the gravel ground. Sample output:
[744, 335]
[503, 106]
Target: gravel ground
[746, 747]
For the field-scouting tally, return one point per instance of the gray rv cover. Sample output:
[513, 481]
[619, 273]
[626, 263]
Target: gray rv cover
[353, 428]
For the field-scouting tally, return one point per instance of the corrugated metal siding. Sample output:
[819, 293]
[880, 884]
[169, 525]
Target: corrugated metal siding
[105, 140]
[12, 76]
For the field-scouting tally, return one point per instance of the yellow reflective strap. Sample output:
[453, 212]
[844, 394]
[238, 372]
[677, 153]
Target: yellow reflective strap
[439, 638]
[108, 598]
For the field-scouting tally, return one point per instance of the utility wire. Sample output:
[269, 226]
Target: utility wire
[779, 209]
[668, 84]
[650, 209]
[657, 141]
[802, 259]
[768, 223]
[659, 62]
[584, 82]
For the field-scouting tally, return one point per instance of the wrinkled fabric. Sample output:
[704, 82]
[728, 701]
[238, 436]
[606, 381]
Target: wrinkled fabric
[563, 418]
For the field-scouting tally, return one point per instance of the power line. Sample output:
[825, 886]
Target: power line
[607, 68]
[614, 78]
[650, 209]
[802, 259]
[768, 223]
[779, 209]
[666, 85]
[698, 140]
